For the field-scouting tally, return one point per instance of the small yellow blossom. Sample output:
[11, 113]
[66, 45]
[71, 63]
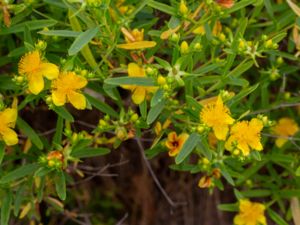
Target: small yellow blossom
[183, 9]
[139, 92]
[135, 40]
[250, 213]
[34, 68]
[285, 127]
[8, 119]
[217, 116]
[66, 88]
[245, 135]
[175, 143]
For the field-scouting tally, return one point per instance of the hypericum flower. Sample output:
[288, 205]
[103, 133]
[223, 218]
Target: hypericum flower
[66, 88]
[34, 68]
[245, 135]
[175, 143]
[225, 3]
[250, 213]
[135, 40]
[138, 92]
[285, 128]
[8, 119]
[217, 116]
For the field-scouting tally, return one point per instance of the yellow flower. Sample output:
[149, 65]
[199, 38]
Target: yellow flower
[135, 40]
[245, 135]
[175, 143]
[285, 127]
[34, 68]
[66, 88]
[139, 92]
[8, 119]
[217, 116]
[251, 213]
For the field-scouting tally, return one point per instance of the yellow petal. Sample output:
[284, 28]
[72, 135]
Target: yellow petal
[29, 62]
[137, 45]
[221, 132]
[243, 146]
[58, 98]
[35, 83]
[138, 95]
[77, 100]
[9, 116]
[280, 142]
[9, 136]
[134, 70]
[49, 70]
[79, 82]
[238, 220]
[255, 143]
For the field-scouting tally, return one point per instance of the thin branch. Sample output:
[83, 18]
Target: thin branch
[120, 222]
[282, 105]
[154, 177]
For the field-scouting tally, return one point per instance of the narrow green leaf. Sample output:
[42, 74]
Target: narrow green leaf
[89, 152]
[19, 173]
[162, 7]
[226, 174]
[103, 107]
[143, 109]
[60, 185]
[233, 207]
[32, 25]
[236, 99]
[5, 208]
[61, 111]
[157, 97]
[82, 40]
[155, 111]
[60, 33]
[32, 135]
[59, 130]
[187, 147]
[139, 81]
[276, 217]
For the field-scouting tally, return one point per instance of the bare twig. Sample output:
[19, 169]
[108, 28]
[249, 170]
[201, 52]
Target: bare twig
[120, 222]
[282, 105]
[154, 177]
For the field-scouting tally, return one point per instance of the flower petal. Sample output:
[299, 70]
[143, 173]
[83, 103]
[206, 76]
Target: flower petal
[35, 83]
[137, 45]
[77, 100]
[138, 95]
[9, 116]
[221, 132]
[9, 136]
[49, 70]
[58, 98]
[280, 142]
[134, 70]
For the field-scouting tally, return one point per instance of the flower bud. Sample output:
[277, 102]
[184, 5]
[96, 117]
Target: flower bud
[184, 48]
[204, 182]
[121, 133]
[183, 9]
[161, 80]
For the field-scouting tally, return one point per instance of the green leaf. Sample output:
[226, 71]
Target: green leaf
[32, 135]
[276, 217]
[19, 197]
[256, 193]
[32, 25]
[143, 109]
[157, 97]
[61, 111]
[233, 207]
[241, 4]
[2, 151]
[5, 208]
[162, 7]
[139, 81]
[236, 99]
[60, 33]
[59, 130]
[226, 174]
[89, 152]
[103, 107]
[42, 171]
[19, 173]
[82, 40]
[155, 111]
[60, 185]
[187, 147]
